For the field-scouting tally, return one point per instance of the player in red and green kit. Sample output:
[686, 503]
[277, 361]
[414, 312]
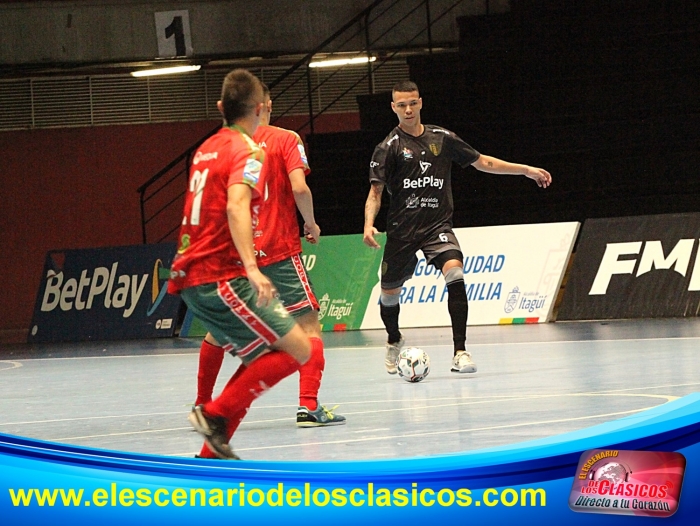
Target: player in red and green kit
[216, 272]
[278, 246]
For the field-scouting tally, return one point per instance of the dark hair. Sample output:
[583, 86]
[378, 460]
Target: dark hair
[266, 90]
[240, 93]
[404, 86]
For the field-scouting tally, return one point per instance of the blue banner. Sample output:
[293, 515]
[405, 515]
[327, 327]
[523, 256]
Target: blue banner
[109, 293]
[526, 483]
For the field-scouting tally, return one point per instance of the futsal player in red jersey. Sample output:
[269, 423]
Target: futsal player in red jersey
[215, 269]
[278, 245]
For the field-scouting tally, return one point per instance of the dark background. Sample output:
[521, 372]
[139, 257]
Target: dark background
[602, 94]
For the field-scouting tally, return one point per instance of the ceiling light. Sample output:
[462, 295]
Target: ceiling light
[341, 62]
[164, 71]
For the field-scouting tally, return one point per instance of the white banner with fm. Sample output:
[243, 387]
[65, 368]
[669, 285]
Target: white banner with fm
[512, 274]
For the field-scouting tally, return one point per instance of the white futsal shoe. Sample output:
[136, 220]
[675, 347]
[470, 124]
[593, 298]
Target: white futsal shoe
[392, 355]
[463, 363]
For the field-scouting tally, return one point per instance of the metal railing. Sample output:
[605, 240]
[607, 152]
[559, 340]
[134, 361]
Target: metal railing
[159, 192]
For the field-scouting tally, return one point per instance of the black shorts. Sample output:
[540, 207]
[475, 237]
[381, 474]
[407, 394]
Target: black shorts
[399, 260]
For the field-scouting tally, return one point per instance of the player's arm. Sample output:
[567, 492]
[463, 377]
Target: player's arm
[305, 204]
[492, 165]
[372, 206]
[240, 224]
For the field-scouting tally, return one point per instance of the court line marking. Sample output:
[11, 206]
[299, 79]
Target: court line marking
[14, 365]
[410, 408]
[30, 358]
[437, 433]
[77, 419]
[501, 344]
[381, 347]
[364, 402]
[371, 430]
[144, 432]
[450, 432]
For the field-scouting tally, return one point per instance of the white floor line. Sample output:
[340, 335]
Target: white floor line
[513, 344]
[367, 402]
[147, 431]
[433, 433]
[13, 365]
[32, 359]
[381, 347]
[391, 410]
[77, 419]
[450, 432]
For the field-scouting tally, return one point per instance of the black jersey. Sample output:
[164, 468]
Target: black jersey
[417, 175]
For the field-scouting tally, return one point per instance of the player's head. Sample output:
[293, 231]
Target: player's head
[406, 103]
[241, 97]
[267, 105]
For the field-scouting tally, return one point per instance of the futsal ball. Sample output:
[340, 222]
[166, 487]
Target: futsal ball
[413, 364]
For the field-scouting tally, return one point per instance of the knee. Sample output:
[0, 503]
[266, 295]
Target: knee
[454, 275]
[310, 324]
[295, 343]
[390, 298]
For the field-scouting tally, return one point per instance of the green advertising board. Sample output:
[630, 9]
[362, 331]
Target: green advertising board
[343, 272]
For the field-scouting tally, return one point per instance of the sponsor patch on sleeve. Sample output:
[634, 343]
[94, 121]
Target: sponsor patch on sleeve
[251, 172]
[302, 153]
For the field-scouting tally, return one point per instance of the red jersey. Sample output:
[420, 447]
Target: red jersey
[277, 237]
[206, 253]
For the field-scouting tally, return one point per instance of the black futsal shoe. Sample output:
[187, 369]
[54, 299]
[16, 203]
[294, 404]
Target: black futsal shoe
[213, 429]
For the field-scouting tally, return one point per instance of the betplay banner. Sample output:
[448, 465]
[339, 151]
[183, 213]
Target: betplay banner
[112, 293]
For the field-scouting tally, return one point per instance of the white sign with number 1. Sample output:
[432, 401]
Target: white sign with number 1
[173, 33]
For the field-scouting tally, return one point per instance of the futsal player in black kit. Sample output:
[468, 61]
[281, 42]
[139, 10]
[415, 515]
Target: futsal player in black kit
[414, 162]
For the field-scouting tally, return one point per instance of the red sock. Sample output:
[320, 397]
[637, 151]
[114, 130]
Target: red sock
[310, 376]
[210, 359]
[233, 422]
[246, 385]
[258, 376]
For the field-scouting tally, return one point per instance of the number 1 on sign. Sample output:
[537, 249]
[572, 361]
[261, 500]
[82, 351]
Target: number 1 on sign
[176, 29]
[173, 33]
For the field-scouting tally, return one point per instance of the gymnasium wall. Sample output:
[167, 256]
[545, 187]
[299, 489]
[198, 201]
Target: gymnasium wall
[107, 31]
[76, 188]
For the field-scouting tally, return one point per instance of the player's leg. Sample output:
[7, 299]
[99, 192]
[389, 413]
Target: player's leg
[252, 380]
[310, 412]
[389, 309]
[398, 264]
[311, 373]
[234, 420]
[459, 309]
[296, 293]
[230, 313]
[445, 254]
[211, 357]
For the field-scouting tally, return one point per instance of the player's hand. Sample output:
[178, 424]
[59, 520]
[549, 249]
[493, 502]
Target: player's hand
[312, 233]
[368, 238]
[263, 286]
[540, 176]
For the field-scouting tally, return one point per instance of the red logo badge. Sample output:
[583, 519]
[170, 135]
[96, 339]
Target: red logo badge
[642, 483]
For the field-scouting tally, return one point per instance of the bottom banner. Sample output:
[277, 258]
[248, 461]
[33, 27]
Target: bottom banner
[537, 482]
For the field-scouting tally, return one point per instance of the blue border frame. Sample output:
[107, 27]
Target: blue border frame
[548, 463]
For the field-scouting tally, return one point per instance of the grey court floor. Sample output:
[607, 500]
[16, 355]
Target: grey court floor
[533, 381]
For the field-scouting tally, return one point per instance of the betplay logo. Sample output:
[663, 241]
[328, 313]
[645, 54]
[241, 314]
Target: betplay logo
[423, 182]
[105, 285]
